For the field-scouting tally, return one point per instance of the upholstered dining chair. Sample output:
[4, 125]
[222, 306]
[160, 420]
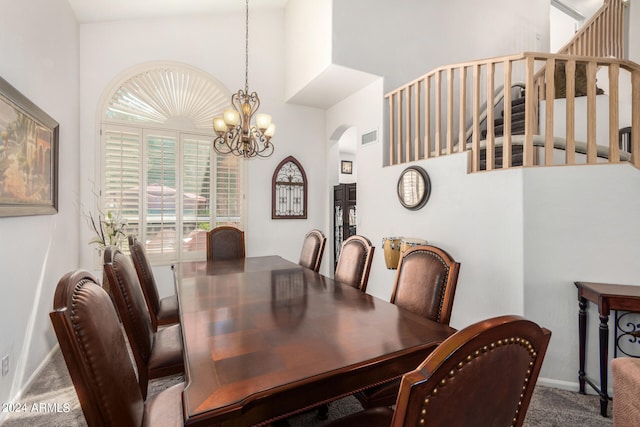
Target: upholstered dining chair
[354, 262]
[225, 242]
[425, 284]
[157, 354]
[163, 311]
[483, 375]
[312, 250]
[96, 355]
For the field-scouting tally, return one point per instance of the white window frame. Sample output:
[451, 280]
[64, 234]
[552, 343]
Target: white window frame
[179, 129]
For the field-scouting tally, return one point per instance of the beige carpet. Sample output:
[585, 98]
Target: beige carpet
[51, 401]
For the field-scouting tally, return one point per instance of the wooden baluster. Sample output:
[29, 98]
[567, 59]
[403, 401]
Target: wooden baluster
[475, 161]
[392, 113]
[549, 111]
[620, 32]
[427, 117]
[635, 118]
[506, 125]
[438, 138]
[400, 153]
[490, 121]
[614, 121]
[570, 79]
[530, 101]
[462, 137]
[417, 113]
[450, 111]
[592, 148]
[407, 111]
[593, 38]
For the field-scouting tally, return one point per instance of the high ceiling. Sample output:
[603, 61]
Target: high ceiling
[585, 7]
[115, 10]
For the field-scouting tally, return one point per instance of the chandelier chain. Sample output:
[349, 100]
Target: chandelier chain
[235, 134]
[246, 51]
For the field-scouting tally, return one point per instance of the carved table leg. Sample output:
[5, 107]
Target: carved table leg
[582, 334]
[604, 365]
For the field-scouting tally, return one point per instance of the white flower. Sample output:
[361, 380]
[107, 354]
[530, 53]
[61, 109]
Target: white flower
[110, 229]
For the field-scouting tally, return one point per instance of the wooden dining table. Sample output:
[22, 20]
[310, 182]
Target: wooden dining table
[265, 338]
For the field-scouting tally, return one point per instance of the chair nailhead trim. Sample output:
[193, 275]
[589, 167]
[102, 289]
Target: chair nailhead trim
[444, 281]
[479, 352]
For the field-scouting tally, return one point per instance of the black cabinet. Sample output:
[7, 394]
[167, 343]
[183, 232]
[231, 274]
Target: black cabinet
[344, 215]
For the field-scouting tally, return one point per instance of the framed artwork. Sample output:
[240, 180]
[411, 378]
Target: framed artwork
[289, 190]
[346, 166]
[28, 156]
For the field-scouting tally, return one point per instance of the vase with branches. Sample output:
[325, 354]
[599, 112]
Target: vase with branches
[109, 229]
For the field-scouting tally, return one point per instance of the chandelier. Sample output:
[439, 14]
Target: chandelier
[235, 133]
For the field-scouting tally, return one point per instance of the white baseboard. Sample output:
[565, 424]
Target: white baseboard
[18, 396]
[563, 385]
[569, 386]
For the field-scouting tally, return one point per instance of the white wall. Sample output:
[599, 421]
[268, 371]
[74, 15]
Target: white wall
[348, 152]
[39, 51]
[358, 113]
[404, 39]
[308, 26]
[215, 44]
[562, 28]
[580, 224]
[482, 230]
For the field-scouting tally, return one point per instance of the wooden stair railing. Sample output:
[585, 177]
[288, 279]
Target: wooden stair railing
[420, 128]
[428, 116]
[602, 35]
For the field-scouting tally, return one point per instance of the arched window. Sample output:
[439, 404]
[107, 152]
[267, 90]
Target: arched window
[159, 169]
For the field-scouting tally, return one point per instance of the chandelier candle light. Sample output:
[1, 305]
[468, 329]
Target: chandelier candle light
[235, 134]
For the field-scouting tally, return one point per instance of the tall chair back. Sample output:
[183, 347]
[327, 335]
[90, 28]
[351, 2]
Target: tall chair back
[157, 353]
[95, 352]
[312, 250]
[354, 262]
[426, 282]
[162, 311]
[224, 243]
[482, 375]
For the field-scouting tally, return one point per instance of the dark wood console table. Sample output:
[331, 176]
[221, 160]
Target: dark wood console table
[608, 297]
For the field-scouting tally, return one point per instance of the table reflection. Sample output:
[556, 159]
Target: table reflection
[288, 297]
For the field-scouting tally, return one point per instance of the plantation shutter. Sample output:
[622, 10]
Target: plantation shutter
[123, 167]
[228, 190]
[162, 198]
[196, 190]
[159, 169]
